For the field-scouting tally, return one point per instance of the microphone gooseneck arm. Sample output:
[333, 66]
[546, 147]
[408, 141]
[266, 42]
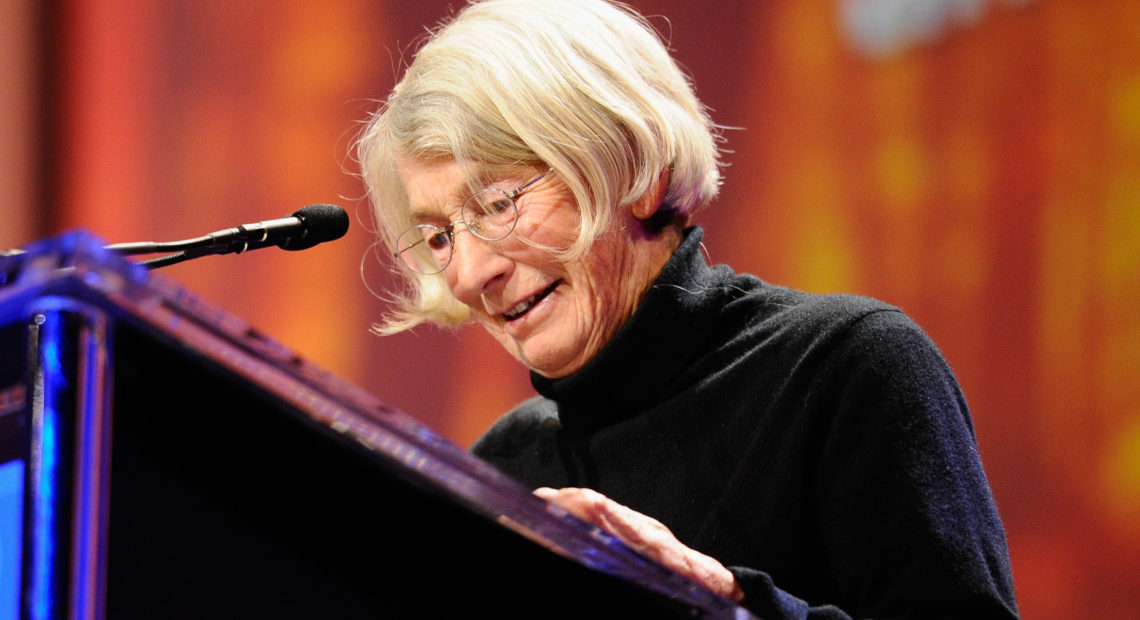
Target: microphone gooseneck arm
[307, 227]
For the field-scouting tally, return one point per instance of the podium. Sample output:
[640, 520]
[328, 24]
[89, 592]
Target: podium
[161, 458]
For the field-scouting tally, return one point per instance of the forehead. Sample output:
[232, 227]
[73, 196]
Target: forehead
[434, 186]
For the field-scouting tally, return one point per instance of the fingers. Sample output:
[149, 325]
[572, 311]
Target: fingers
[635, 529]
[586, 504]
[645, 535]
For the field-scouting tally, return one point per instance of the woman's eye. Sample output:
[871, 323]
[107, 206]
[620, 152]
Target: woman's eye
[438, 241]
[488, 203]
[497, 206]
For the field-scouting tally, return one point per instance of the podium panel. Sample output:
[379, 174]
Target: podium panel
[171, 462]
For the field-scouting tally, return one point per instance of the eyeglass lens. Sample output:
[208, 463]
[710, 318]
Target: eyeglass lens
[489, 214]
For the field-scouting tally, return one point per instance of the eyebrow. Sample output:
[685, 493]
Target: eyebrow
[462, 192]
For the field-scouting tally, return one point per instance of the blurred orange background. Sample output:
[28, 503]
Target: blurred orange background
[975, 162]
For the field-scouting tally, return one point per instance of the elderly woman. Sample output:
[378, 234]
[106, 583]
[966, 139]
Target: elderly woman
[535, 170]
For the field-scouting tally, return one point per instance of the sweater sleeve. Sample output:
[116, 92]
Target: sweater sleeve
[762, 597]
[908, 526]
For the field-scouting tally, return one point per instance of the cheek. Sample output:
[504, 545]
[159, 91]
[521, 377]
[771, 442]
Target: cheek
[554, 224]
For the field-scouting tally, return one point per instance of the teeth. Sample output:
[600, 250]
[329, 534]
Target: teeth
[528, 303]
[523, 306]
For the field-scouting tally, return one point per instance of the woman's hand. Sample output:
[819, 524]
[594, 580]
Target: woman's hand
[646, 535]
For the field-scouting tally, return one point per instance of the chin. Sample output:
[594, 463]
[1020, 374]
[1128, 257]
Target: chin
[550, 357]
[547, 365]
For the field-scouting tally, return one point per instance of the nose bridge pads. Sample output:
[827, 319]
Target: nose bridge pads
[478, 235]
[468, 240]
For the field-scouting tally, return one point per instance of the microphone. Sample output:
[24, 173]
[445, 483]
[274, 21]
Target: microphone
[306, 227]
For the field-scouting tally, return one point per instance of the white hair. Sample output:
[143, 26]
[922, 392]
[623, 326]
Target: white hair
[584, 87]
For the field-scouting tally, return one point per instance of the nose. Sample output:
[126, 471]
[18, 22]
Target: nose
[476, 268]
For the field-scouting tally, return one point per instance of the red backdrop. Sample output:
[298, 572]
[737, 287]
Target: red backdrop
[977, 164]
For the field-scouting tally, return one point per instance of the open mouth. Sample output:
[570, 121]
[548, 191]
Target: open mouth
[525, 305]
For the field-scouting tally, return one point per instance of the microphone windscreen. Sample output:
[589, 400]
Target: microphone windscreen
[321, 223]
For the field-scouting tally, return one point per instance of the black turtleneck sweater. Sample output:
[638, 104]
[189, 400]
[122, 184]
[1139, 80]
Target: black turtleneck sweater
[817, 445]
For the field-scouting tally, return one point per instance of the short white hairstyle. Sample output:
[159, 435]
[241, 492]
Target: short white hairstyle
[586, 88]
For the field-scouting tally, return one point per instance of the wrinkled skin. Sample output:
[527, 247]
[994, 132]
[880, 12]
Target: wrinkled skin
[646, 535]
[554, 316]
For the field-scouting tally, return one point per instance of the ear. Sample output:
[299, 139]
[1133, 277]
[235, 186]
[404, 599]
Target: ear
[647, 205]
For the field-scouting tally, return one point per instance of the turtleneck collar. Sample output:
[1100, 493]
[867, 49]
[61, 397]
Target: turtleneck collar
[641, 365]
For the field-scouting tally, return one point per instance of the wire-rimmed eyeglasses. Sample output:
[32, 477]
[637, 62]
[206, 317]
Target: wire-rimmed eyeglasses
[490, 214]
